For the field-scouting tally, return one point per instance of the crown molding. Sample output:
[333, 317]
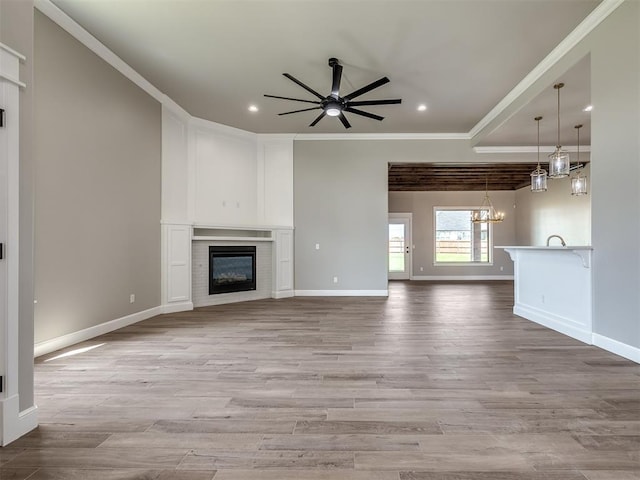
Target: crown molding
[601, 12]
[526, 149]
[382, 136]
[265, 137]
[222, 128]
[594, 19]
[97, 47]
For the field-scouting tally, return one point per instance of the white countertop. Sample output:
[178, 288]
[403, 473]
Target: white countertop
[542, 247]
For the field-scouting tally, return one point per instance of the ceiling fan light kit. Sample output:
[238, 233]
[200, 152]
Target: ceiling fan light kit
[333, 104]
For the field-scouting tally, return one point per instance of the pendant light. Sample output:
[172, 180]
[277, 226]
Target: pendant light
[539, 175]
[487, 213]
[559, 162]
[579, 181]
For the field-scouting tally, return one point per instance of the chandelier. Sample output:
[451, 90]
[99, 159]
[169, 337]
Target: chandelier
[486, 213]
[579, 181]
[559, 162]
[539, 175]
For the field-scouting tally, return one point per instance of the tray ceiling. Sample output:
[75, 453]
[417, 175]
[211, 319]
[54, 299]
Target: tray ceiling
[217, 57]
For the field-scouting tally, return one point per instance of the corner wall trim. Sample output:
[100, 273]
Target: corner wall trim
[16, 423]
[619, 348]
[462, 277]
[48, 346]
[176, 307]
[342, 293]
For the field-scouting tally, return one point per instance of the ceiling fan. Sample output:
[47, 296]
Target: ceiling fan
[333, 104]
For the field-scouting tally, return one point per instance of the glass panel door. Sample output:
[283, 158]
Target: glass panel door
[399, 246]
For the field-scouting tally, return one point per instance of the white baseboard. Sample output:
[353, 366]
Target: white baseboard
[554, 322]
[461, 277]
[283, 294]
[176, 307]
[342, 293]
[14, 423]
[48, 346]
[619, 348]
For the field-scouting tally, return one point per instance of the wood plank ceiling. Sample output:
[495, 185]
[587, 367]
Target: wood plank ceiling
[459, 177]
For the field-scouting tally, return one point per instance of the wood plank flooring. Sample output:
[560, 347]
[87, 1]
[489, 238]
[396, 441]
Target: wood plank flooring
[438, 382]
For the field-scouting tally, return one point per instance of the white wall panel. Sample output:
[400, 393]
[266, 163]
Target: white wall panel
[277, 183]
[224, 178]
[283, 263]
[176, 263]
[174, 168]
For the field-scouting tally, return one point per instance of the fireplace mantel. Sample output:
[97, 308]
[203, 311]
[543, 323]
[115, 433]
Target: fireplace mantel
[258, 234]
[178, 242]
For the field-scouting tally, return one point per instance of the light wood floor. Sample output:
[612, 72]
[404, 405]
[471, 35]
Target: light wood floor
[437, 382]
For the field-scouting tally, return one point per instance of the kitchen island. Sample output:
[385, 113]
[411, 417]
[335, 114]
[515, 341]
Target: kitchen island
[552, 287]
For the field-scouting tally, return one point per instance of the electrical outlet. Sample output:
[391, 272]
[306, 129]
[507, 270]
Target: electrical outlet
[422, 269]
[502, 269]
[132, 298]
[317, 246]
[335, 279]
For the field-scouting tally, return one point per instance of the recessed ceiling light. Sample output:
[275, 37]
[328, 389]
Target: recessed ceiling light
[588, 108]
[422, 107]
[253, 108]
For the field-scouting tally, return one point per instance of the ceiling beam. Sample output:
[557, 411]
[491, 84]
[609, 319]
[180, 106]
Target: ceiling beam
[566, 54]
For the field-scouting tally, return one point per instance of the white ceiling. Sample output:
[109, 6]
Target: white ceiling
[460, 58]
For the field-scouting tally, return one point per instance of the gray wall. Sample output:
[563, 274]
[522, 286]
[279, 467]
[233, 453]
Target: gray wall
[16, 31]
[98, 149]
[555, 211]
[615, 150]
[421, 204]
[340, 202]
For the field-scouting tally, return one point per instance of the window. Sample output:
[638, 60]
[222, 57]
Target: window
[458, 240]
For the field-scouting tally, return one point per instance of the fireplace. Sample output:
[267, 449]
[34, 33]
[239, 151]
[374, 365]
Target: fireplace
[232, 269]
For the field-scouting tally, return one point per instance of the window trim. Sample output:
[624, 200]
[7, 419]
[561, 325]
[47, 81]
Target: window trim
[488, 263]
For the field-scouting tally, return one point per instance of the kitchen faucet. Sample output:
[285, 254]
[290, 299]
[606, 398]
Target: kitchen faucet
[557, 236]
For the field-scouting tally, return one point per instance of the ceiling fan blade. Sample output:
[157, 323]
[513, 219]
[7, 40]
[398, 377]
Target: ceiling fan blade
[337, 76]
[320, 117]
[364, 114]
[376, 102]
[294, 99]
[303, 110]
[344, 120]
[367, 88]
[308, 89]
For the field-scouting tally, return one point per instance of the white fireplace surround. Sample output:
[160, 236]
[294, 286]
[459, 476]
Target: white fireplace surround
[185, 263]
[200, 273]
